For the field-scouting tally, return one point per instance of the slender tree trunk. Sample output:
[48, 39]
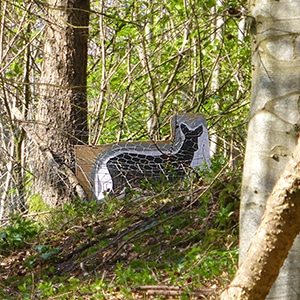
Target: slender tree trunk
[61, 120]
[104, 80]
[274, 125]
[216, 38]
[146, 62]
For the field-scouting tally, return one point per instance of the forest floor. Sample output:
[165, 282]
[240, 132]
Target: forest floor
[177, 242]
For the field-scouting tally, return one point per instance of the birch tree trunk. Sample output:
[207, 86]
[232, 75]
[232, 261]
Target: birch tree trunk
[274, 125]
[273, 239]
[62, 112]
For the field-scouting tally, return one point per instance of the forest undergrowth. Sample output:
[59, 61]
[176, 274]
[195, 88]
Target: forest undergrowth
[167, 241]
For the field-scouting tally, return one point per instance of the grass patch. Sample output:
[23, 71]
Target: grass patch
[179, 241]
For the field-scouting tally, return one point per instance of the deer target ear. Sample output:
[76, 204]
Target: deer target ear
[184, 129]
[199, 130]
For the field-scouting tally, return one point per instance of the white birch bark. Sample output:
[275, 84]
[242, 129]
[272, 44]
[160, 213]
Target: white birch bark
[274, 123]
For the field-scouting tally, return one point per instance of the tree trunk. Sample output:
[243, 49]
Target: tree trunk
[273, 239]
[274, 124]
[61, 120]
[217, 39]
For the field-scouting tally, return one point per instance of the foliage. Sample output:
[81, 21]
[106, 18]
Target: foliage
[158, 60]
[147, 61]
[36, 204]
[17, 234]
[174, 237]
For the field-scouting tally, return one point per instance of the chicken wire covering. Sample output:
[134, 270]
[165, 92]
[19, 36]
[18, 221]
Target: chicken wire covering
[127, 165]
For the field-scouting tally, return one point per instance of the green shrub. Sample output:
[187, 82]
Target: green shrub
[17, 234]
